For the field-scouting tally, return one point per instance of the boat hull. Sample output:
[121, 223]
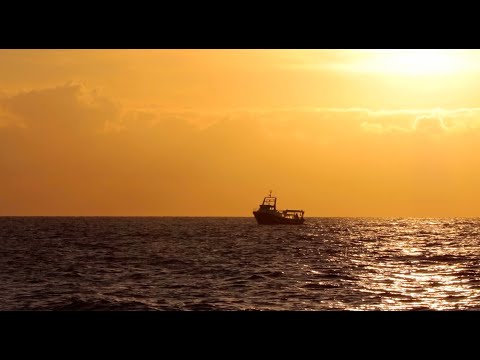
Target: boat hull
[265, 218]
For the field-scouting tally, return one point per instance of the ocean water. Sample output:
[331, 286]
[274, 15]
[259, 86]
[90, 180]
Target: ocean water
[174, 263]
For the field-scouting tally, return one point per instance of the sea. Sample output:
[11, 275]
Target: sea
[232, 263]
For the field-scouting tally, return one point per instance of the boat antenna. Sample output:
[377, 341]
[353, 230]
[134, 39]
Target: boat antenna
[270, 195]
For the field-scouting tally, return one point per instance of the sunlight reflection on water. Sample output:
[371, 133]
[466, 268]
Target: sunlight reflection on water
[235, 264]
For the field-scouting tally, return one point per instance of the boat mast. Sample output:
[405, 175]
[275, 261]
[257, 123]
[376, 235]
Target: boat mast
[269, 199]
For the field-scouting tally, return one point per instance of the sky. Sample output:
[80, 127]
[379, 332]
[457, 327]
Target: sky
[387, 133]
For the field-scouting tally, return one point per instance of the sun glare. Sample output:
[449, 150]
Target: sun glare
[414, 62]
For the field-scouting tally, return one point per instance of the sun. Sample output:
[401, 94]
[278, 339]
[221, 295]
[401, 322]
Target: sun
[413, 62]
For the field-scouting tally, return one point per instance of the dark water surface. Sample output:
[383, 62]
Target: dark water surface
[162, 263]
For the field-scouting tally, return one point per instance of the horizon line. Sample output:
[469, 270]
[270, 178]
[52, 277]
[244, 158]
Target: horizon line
[244, 217]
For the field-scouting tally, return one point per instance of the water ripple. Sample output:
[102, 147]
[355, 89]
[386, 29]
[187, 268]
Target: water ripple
[203, 264]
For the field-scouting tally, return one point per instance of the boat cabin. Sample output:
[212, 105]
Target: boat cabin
[269, 203]
[293, 214]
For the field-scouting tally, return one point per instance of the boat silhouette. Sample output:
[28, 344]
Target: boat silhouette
[267, 213]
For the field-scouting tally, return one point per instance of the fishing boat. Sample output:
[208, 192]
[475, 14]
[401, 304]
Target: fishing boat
[267, 213]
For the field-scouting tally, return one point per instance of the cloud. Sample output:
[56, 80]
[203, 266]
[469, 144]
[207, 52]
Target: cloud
[73, 109]
[72, 150]
[8, 119]
[70, 107]
[424, 122]
[432, 124]
[373, 127]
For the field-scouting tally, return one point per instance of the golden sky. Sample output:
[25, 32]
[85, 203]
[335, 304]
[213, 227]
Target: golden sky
[209, 132]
